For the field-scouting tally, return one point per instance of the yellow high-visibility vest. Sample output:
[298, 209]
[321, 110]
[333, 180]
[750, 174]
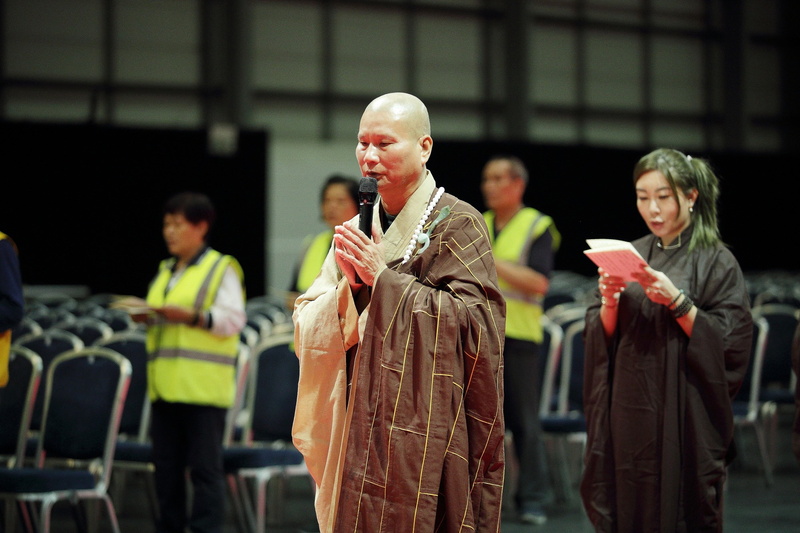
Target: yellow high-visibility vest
[523, 311]
[189, 364]
[315, 255]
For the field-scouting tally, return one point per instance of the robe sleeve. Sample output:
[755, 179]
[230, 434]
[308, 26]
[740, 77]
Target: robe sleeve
[718, 351]
[326, 325]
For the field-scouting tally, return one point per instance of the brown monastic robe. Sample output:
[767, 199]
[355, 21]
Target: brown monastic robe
[658, 403]
[417, 444]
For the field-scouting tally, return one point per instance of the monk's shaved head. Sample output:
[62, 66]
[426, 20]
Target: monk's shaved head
[406, 108]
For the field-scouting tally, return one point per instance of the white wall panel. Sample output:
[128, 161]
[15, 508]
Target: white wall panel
[297, 171]
[679, 135]
[619, 132]
[448, 56]
[159, 110]
[369, 51]
[614, 70]
[54, 39]
[48, 105]
[762, 80]
[553, 76]
[157, 42]
[560, 129]
[289, 120]
[677, 82]
[287, 46]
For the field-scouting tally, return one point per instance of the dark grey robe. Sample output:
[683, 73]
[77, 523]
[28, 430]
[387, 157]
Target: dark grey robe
[658, 403]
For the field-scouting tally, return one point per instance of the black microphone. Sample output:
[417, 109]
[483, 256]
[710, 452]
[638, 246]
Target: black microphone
[367, 191]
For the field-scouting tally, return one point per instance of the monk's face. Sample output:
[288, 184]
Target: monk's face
[391, 149]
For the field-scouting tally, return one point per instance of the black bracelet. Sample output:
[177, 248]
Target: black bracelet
[196, 319]
[675, 299]
[683, 308]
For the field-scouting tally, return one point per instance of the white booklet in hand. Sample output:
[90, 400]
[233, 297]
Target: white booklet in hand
[618, 258]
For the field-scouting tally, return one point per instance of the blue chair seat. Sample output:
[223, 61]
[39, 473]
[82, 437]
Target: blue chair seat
[243, 457]
[572, 423]
[780, 396]
[134, 452]
[740, 409]
[30, 480]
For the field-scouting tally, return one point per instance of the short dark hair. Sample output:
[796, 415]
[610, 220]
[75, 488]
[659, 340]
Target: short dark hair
[516, 166]
[338, 179]
[196, 207]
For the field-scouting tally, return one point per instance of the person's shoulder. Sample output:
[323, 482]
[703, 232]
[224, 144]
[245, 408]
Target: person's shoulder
[459, 206]
[643, 242]
[6, 242]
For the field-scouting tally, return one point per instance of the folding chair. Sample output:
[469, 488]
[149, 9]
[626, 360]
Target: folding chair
[16, 408]
[48, 345]
[567, 423]
[265, 450]
[132, 452]
[84, 396]
[748, 408]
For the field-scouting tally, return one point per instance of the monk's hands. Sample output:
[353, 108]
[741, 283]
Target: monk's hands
[657, 286]
[356, 255]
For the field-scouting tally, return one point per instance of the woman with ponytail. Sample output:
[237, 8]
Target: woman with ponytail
[665, 356]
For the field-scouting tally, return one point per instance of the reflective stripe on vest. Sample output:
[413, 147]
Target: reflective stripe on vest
[523, 311]
[313, 259]
[189, 364]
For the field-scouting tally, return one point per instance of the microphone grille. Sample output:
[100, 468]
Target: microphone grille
[368, 185]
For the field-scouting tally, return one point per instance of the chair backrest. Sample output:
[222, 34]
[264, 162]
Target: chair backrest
[272, 394]
[26, 326]
[243, 365]
[47, 317]
[751, 384]
[566, 314]
[84, 397]
[249, 335]
[48, 345]
[777, 369]
[549, 357]
[88, 329]
[132, 344]
[570, 388]
[118, 320]
[16, 403]
[558, 297]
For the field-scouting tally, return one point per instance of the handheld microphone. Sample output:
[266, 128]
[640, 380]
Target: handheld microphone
[367, 191]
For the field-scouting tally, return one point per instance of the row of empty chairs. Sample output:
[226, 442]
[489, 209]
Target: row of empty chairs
[84, 394]
[258, 435]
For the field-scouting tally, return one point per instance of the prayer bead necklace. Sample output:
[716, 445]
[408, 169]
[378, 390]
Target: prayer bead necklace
[424, 238]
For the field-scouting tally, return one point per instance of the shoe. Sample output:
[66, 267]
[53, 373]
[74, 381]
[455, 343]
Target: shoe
[532, 513]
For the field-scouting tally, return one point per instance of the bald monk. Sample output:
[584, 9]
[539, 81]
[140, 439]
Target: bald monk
[400, 341]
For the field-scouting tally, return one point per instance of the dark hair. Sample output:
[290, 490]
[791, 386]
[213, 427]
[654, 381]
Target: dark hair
[337, 179]
[687, 173]
[516, 166]
[194, 206]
